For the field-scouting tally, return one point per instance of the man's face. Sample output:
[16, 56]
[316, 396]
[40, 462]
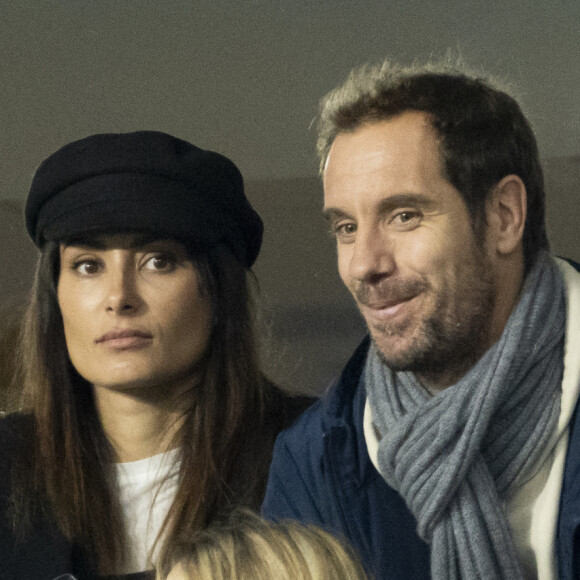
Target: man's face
[406, 249]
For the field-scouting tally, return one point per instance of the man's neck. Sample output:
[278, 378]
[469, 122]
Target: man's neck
[436, 380]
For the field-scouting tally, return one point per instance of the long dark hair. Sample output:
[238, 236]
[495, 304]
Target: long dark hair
[71, 458]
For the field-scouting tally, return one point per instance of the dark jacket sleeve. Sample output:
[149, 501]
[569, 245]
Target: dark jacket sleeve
[44, 553]
[302, 483]
[297, 485]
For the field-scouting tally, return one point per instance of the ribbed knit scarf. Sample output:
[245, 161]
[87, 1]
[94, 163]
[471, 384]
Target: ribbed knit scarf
[453, 456]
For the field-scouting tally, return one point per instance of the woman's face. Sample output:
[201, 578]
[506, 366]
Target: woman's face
[134, 314]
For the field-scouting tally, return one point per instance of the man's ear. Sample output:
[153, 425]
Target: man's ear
[506, 214]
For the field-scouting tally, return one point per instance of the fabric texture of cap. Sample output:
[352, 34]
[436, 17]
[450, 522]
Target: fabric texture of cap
[145, 181]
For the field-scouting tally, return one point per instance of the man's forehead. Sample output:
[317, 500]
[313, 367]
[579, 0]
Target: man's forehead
[402, 145]
[404, 127]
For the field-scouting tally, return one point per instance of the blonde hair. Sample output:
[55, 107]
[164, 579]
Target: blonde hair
[247, 547]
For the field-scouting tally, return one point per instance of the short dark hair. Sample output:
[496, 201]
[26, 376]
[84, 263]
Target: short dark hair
[484, 134]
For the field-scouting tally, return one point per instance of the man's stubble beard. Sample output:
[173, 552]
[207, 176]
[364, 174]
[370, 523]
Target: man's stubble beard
[448, 342]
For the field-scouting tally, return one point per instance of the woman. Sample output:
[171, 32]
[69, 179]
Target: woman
[144, 412]
[246, 547]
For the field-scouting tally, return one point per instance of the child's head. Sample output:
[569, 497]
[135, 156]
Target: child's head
[248, 547]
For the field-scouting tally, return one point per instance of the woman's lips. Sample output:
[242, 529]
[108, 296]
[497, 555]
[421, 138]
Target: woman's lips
[125, 339]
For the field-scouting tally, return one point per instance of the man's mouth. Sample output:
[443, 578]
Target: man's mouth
[385, 304]
[385, 311]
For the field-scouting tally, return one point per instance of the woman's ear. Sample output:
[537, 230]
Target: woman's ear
[506, 214]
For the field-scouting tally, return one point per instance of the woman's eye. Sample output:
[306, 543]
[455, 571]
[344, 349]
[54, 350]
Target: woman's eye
[160, 263]
[86, 267]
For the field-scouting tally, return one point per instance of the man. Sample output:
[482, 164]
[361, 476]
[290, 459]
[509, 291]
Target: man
[447, 448]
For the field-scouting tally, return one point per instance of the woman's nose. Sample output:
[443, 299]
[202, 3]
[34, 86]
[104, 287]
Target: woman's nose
[122, 291]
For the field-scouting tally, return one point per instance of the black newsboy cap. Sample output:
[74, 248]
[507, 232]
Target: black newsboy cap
[145, 181]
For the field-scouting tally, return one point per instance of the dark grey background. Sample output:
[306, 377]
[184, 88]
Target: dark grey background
[244, 78]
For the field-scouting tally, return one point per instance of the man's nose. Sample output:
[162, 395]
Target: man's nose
[372, 255]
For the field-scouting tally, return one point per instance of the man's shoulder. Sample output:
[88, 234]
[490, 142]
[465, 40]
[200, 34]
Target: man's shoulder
[335, 407]
[283, 408]
[307, 429]
[573, 263]
[301, 484]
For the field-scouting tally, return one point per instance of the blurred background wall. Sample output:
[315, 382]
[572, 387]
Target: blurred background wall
[244, 78]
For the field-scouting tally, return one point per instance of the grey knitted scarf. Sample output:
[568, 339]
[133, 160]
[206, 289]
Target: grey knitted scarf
[453, 456]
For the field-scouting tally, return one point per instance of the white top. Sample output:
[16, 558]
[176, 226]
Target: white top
[147, 489]
[532, 508]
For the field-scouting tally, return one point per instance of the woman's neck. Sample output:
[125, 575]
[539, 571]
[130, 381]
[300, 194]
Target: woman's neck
[138, 427]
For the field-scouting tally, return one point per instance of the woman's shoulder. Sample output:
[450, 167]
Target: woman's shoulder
[17, 423]
[16, 430]
[16, 437]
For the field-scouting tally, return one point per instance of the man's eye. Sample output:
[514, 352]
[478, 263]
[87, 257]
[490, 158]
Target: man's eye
[346, 229]
[407, 217]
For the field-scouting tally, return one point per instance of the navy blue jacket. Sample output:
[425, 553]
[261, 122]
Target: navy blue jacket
[322, 474]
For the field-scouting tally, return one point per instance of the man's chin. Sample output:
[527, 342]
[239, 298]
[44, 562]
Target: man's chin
[396, 352]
